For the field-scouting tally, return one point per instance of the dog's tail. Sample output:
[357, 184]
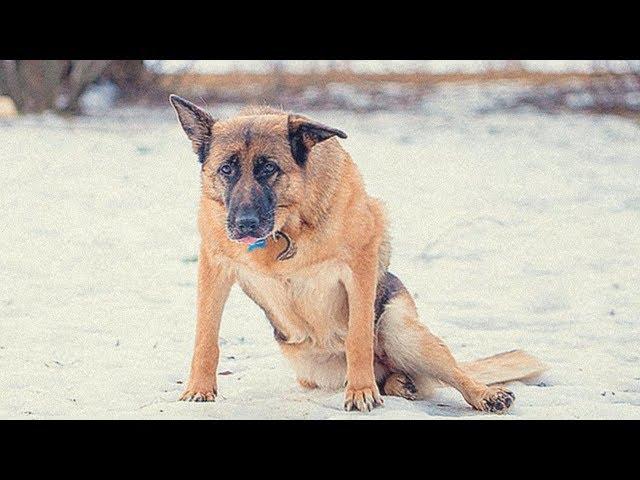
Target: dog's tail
[504, 367]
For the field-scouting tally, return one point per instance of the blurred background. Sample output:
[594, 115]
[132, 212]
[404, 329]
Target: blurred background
[89, 86]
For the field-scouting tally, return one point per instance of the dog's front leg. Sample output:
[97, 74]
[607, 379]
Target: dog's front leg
[214, 284]
[361, 389]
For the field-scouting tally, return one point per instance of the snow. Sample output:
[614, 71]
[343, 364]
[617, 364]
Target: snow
[513, 229]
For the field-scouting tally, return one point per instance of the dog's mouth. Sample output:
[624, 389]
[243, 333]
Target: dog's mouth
[248, 240]
[250, 231]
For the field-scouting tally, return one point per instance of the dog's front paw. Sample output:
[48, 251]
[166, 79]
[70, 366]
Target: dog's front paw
[362, 399]
[199, 394]
[496, 400]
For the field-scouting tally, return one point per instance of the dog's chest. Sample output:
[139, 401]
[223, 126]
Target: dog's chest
[308, 306]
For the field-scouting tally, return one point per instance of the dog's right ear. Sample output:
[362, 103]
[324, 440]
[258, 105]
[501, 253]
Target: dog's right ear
[196, 123]
[304, 134]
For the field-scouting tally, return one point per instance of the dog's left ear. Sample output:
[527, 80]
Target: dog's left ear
[196, 123]
[304, 134]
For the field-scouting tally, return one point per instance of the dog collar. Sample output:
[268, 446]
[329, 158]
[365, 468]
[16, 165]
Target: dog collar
[289, 251]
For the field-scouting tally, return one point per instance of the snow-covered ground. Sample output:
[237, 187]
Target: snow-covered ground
[514, 230]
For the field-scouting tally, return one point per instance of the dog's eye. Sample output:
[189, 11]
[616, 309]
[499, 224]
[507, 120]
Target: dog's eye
[269, 167]
[226, 169]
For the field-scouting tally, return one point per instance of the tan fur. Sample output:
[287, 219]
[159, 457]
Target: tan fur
[321, 300]
[504, 367]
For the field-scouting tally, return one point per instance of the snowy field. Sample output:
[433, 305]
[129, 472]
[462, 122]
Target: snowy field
[513, 230]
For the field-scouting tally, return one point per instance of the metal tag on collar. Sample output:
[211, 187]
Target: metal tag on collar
[261, 243]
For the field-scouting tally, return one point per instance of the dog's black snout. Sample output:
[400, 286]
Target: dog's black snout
[247, 222]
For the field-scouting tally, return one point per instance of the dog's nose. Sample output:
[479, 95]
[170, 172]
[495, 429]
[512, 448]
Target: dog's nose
[247, 222]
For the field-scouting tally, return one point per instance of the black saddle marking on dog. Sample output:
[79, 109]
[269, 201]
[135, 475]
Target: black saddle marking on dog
[388, 287]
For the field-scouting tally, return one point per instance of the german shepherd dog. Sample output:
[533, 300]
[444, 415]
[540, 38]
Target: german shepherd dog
[284, 213]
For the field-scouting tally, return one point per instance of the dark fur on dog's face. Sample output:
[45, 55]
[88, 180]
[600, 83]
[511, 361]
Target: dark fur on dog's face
[253, 163]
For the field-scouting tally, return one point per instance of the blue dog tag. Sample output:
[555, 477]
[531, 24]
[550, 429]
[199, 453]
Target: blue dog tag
[257, 244]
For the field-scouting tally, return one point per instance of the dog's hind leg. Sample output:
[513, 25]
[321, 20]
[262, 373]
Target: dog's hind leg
[409, 347]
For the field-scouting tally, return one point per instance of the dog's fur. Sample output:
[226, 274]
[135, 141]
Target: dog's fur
[338, 315]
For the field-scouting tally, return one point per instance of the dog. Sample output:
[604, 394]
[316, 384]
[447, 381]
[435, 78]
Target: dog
[284, 214]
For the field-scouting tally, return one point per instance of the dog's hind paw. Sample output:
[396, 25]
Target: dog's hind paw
[194, 395]
[400, 385]
[496, 400]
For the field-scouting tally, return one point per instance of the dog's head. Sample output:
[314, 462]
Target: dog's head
[253, 164]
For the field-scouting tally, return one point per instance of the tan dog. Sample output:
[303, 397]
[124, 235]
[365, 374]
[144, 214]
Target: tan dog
[321, 278]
